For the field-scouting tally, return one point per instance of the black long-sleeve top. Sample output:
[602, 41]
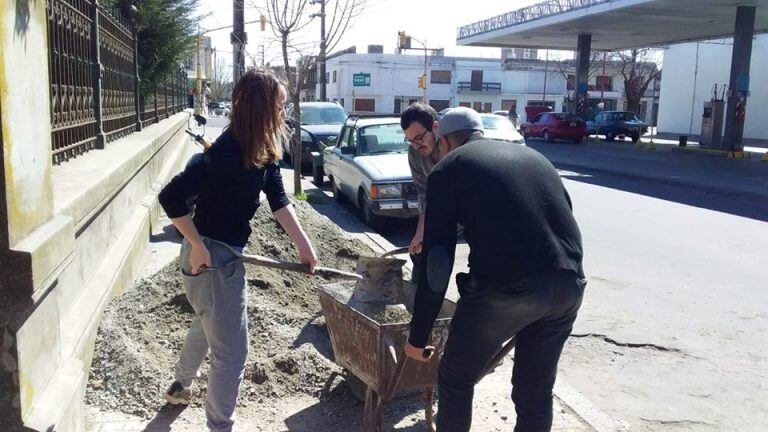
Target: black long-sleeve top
[517, 220]
[227, 194]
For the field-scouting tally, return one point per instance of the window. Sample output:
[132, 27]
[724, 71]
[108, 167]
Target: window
[476, 83]
[465, 104]
[477, 106]
[509, 105]
[334, 76]
[368, 105]
[397, 108]
[604, 83]
[571, 82]
[344, 139]
[328, 115]
[440, 77]
[379, 139]
[327, 76]
[487, 107]
[439, 104]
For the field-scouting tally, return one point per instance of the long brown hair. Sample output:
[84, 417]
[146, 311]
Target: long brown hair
[257, 117]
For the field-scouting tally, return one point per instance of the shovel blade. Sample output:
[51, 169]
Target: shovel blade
[382, 280]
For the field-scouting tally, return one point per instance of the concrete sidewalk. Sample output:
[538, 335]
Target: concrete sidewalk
[494, 410]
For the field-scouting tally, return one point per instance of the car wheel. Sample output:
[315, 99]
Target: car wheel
[578, 140]
[635, 138]
[337, 195]
[369, 217]
[318, 175]
[525, 134]
[548, 137]
[609, 136]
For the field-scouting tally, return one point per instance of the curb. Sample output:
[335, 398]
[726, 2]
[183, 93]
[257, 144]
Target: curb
[585, 409]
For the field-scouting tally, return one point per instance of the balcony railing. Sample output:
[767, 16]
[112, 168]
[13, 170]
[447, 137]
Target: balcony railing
[484, 87]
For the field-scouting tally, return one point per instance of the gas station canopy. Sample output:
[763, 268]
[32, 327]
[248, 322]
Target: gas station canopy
[613, 24]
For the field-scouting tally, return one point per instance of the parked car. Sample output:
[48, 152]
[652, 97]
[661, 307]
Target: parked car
[614, 124]
[321, 122]
[368, 166]
[503, 113]
[499, 127]
[552, 126]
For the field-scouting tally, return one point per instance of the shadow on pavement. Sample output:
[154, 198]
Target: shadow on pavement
[338, 411]
[746, 204]
[164, 418]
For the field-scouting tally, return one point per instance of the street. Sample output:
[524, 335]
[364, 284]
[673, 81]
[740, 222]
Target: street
[673, 325]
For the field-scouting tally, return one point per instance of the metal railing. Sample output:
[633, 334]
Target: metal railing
[93, 82]
[527, 14]
[484, 87]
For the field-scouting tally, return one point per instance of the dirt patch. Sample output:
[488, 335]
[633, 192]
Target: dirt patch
[142, 332]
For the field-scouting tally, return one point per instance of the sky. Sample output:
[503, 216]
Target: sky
[435, 21]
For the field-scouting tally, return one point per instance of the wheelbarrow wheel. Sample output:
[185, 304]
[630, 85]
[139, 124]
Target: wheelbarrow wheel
[356, 386]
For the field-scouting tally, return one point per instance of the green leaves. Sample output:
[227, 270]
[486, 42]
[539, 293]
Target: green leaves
[167, 31]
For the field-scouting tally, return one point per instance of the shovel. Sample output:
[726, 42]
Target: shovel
[284, 265]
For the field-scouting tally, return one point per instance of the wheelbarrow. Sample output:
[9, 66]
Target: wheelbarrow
[372, 352]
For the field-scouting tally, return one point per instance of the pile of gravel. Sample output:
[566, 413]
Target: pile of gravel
[142, 331]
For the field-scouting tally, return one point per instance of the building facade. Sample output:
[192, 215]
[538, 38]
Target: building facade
[387, 83]
[692, 70]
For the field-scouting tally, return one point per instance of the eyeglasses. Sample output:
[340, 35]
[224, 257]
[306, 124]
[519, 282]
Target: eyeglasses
[418, 139]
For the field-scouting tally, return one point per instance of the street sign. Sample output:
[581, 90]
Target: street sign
[361, 80]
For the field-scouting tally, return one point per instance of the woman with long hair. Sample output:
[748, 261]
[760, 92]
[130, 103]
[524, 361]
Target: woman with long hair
[227, 182]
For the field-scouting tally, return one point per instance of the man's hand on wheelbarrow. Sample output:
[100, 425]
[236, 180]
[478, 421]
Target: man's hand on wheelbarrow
[420, 354]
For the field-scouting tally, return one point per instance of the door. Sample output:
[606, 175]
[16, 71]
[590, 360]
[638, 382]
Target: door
[347, 171]
[477, 106]
[332, 159]
[477, 81]
[536, 124]
[487, 107]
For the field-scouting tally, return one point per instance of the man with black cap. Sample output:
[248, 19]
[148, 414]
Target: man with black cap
[525, 278]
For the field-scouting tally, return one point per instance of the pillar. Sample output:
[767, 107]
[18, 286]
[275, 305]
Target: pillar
[739, 80]
[583, 54]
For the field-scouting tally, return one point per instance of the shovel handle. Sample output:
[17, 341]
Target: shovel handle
[297, 267]
[289, 265]
[397, 251]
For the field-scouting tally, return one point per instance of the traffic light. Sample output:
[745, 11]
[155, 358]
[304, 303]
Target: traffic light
[404, 41]
[422, 81]
[263, 22]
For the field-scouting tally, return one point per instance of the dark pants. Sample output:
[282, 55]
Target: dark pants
[540, 312]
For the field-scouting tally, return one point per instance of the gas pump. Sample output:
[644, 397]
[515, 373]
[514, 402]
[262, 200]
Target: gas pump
[712, 119]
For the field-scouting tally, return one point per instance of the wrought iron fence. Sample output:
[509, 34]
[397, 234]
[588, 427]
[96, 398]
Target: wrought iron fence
[93, 84]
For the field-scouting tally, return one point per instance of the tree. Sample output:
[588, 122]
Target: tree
[288, 19]
[638, 68]
[166, 35]
[221, 84]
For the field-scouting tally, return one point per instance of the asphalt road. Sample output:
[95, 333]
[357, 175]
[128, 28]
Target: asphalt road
[673, 332]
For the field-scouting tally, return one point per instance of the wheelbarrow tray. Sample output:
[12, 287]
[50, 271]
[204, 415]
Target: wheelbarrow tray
[369, 349]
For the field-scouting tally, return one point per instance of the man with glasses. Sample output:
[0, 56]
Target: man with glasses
[419, 121]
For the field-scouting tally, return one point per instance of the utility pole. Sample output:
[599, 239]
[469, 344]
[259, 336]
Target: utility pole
[238, 39]
[323, 81]
[199, 72]
[546, 72]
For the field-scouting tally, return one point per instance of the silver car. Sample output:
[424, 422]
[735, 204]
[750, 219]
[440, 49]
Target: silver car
[368, 166]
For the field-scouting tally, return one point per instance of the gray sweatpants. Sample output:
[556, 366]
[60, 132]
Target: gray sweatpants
[219, 299]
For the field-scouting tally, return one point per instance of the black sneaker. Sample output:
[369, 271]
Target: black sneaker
[177, 394]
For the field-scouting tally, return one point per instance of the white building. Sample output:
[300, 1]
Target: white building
[691, 71]
[387, 83]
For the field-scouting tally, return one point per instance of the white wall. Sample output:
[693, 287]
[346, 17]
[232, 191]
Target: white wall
[690, 72]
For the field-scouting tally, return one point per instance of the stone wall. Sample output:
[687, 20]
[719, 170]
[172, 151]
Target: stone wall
[70, 235]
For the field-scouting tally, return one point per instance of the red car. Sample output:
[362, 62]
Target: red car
[552, 126]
